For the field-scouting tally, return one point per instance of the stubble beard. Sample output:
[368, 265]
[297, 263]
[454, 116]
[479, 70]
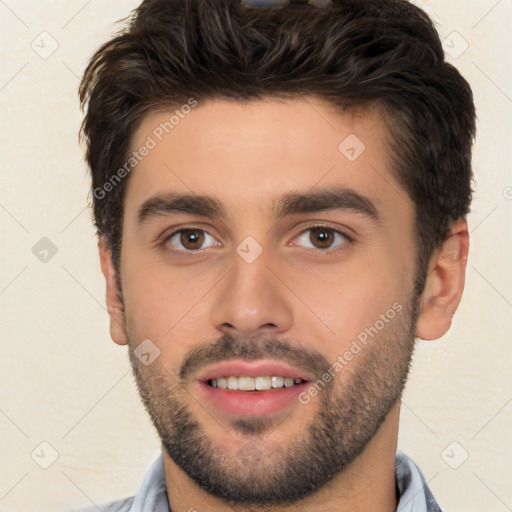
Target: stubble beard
[261, 474]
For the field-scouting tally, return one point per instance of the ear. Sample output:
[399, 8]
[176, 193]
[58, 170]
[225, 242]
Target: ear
[444, 285]
[115, 305]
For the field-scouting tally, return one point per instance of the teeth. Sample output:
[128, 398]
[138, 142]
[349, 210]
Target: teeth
[263, 383]
[245, 383]
[277, 382]
[288, 382]
[232, 383]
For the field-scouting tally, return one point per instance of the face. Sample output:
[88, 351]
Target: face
[299, 264]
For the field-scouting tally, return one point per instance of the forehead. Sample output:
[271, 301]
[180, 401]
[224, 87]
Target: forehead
[248, 152]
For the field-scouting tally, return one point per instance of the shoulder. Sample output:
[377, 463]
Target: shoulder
[114, 506]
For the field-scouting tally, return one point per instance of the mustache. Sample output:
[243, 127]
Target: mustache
[228, 348]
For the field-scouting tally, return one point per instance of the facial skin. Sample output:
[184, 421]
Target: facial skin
[294, 303]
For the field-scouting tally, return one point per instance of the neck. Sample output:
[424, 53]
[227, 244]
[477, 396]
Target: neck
[367, 484]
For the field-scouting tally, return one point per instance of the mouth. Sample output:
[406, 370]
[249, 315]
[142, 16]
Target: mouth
[245, 388]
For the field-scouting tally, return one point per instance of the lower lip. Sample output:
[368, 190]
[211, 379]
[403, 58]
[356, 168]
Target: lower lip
[252, 403]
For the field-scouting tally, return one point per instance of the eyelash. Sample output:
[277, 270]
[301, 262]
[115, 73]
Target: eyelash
[348, 239]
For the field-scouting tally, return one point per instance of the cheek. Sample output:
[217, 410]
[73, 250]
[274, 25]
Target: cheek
[165, 305]
[344, 300]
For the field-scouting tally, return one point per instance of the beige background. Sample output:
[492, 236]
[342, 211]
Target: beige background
[64, 382]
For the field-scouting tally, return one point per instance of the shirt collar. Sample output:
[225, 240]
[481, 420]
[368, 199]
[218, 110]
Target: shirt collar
[415, 496]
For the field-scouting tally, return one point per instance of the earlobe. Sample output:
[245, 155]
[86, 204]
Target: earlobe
[115, 304]
[444, 284]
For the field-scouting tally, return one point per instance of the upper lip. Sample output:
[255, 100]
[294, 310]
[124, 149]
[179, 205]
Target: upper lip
[240, 368]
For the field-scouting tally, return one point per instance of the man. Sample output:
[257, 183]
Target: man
[280, 193]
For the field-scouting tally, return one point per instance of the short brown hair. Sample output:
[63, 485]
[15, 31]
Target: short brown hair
[354, 53]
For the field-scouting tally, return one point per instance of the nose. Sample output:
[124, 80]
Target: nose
[252, 300]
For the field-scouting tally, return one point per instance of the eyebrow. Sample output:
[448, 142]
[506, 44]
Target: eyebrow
[291, 203]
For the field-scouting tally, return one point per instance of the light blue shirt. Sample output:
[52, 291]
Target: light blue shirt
[415, 496]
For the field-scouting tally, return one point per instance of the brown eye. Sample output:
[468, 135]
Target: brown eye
[189, 240]
[321, 237]
[192, 238]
